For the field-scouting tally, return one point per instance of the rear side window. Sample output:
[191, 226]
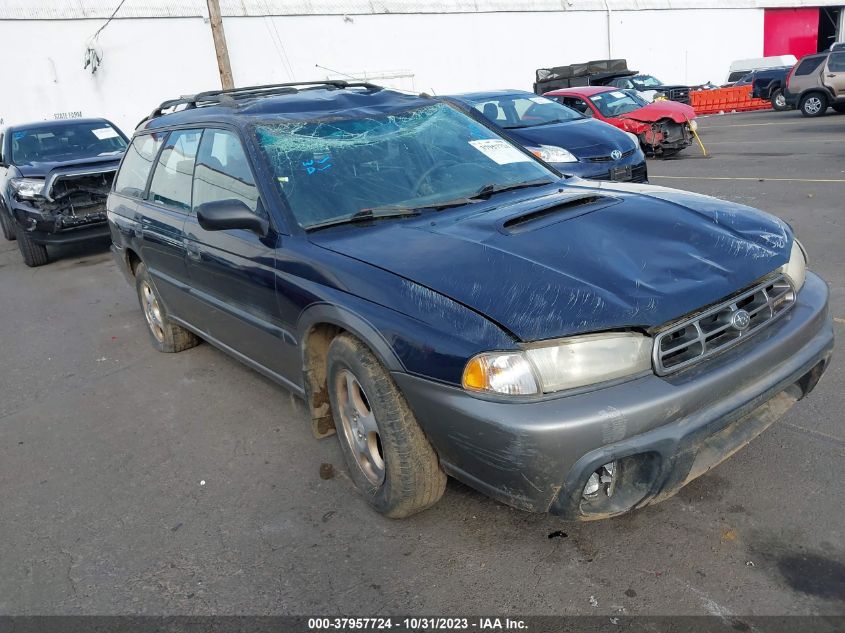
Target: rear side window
[836, 63]
[223, 171]
[809, 65]
[132, 178]
[171, 185]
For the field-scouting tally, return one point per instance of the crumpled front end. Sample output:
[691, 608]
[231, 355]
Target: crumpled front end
[665, 136]
[71, 206]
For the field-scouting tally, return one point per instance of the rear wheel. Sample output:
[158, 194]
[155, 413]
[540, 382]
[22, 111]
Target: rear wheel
[388, 456]
[165, 335]
[33, 254]
[779, 100]
[814, 104]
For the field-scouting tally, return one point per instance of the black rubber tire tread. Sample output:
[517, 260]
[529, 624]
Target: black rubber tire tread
[8, 226]
[823, 109]
[413, 480]
[773, 99]
[176, 338]
[33, 254]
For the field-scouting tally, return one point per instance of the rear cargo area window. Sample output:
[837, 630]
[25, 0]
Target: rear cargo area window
[132, 178]
[809, 65]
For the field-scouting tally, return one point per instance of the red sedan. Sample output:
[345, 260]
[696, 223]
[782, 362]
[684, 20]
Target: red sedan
[663, 127]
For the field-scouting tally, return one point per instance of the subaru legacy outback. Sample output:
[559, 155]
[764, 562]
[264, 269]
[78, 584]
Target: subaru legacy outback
[451, 305]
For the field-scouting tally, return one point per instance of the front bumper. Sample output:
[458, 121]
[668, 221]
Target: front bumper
[46, 227]
[628, 169]
[661, 431]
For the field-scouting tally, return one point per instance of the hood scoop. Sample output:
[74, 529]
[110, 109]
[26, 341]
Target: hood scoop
[571, 208]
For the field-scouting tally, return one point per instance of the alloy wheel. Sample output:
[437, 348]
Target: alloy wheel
[813, 105]
[360, 429]
[152, 311]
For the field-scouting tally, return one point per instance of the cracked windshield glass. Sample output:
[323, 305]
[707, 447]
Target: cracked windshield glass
[429, 156]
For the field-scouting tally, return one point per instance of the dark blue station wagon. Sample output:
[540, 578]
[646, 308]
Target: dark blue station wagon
[451, 305]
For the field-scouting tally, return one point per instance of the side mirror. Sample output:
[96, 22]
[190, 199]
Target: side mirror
[230, 214]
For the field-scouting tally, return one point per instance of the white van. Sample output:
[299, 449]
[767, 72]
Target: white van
[742, 67]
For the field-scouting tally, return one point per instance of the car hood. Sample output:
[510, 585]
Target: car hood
[656, 110]
[585, 138]
[42, 169]
[638, 257]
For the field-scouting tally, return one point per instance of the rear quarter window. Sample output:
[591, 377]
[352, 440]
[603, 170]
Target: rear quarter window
[836, 63]
[132, 178]
[809, 65]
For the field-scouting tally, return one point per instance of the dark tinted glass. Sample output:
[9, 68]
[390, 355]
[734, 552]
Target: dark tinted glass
[132, 178]
[65, 141]
[174, 172]
[222, 171]
[809, 65]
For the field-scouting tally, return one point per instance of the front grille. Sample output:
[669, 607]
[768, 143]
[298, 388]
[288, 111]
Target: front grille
[717, 328]
[639, 174]
[679, 94]
[608, 158]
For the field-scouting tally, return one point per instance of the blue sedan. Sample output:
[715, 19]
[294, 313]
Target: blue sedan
[573, 143]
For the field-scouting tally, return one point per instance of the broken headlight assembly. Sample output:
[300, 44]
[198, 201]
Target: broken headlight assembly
[557, 365]
[553, 154]
[27, 188]
[796, 267]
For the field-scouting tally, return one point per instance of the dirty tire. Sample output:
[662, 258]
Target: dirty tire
[33, 254]
[779, 100]
[7, 224]
[411, 478]
[813, 104]
[165, 336]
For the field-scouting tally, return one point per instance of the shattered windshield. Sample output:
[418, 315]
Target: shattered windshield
[615, 103]
[54, 142]
[330, 170]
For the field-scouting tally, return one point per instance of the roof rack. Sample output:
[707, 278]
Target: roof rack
[230, 98]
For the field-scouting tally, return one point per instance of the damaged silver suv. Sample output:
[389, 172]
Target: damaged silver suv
[54, 180]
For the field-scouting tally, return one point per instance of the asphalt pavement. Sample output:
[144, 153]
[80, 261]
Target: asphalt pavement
[146, 483]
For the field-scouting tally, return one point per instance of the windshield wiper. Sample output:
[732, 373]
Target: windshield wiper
[488, 190]
[364, 215]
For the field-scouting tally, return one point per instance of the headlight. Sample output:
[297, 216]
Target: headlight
[27, 188]
[634, 138]
[796, 267]
[562, 364]
[693, 125]
[553, 154]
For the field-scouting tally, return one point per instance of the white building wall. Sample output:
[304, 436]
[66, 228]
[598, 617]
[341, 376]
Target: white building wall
[146, 61]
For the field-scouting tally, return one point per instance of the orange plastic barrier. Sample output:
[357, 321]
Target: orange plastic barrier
[736, 99]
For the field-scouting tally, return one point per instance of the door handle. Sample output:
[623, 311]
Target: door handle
[193, 251]
[831, 75]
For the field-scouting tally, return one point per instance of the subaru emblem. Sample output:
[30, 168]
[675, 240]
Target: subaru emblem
[616, 154]
[740, 320]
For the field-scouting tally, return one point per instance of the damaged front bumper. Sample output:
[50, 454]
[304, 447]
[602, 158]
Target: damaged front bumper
[658, 432]
[72, 209]
[666, 136]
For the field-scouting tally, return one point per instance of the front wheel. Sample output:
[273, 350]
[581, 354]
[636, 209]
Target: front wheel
[165, 335]
[779, 101]
[7, 224]
[814, 104]
[33, 254]
[388, 456]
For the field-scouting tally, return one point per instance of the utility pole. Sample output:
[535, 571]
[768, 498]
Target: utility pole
[220, 44]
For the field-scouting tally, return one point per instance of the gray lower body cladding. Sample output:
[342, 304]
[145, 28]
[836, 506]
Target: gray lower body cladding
[661, 432]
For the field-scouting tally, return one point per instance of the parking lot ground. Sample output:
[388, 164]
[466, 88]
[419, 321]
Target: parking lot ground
[146, 483]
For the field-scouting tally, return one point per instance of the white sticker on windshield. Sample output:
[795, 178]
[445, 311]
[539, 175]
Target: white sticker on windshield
[500, 151]
[103, 133]
[618, 94]
[542, 100]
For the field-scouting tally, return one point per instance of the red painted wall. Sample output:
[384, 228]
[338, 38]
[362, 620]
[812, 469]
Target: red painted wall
[794, 31]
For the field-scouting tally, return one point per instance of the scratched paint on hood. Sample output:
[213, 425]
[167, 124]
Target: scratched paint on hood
[649, 257]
